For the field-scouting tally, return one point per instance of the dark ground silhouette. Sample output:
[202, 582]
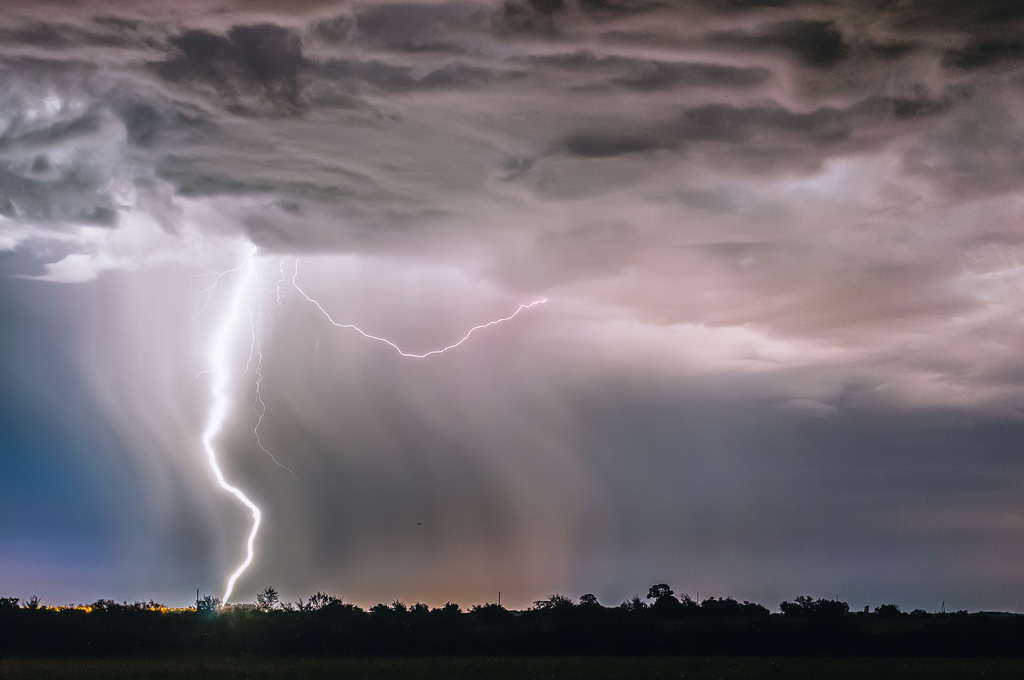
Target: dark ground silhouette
[660, 624]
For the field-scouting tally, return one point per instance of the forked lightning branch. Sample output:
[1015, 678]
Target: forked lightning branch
[239, 316]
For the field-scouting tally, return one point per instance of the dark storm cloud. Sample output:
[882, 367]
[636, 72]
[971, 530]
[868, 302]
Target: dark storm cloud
[146, 121]
[246, 66]
[598, 146]
[264, 57]
[539, 17]
[196, 178]
[336, 30]
[554, 19]
[781, 241]
[726, 123]
[980, 16]
[57, 36]
[355, 76]
[976, 151]
[412, 27]
[617, 8]
[652, 74]
[658, 75]
[818, 44]
[985, 54]
[764, 137]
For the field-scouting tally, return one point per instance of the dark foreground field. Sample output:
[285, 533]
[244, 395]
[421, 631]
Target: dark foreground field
[517, 668]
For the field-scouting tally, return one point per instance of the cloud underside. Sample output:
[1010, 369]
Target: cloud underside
[815, 173]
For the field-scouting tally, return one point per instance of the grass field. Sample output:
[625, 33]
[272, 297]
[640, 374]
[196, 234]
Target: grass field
[518, 668]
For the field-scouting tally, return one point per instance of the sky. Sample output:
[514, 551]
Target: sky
[780, 243]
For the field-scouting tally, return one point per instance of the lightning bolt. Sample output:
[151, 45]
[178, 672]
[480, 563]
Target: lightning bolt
[240, 305]
[219, 358]
[402, 352]
[257, 347]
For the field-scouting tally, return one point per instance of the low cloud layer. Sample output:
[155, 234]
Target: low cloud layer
[782, 245]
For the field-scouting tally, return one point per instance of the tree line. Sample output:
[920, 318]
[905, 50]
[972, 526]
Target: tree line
[660, 623]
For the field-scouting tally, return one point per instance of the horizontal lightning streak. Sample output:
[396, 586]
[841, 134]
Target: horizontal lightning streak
[398, 349]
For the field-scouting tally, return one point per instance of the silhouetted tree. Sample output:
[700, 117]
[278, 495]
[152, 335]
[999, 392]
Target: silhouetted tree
[665, 602]
[380, 609]
[754, 609]
[554, 603]
[106, 606]
[722, 607]
[267, 599]
[32, 603]
[449, 609]
[801, 606]
[634, 604]
[317, 601]
[656, 592]
[808, 606]
[208, 604]
[688, 605]
[831, 608]
[724, 627]
[490, 613]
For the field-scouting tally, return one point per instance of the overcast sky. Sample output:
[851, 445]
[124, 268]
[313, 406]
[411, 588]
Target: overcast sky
[781, 244]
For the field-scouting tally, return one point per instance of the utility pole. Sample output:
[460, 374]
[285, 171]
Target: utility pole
[499, 598]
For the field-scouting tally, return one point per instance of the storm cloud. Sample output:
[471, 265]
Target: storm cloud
[781, 243]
